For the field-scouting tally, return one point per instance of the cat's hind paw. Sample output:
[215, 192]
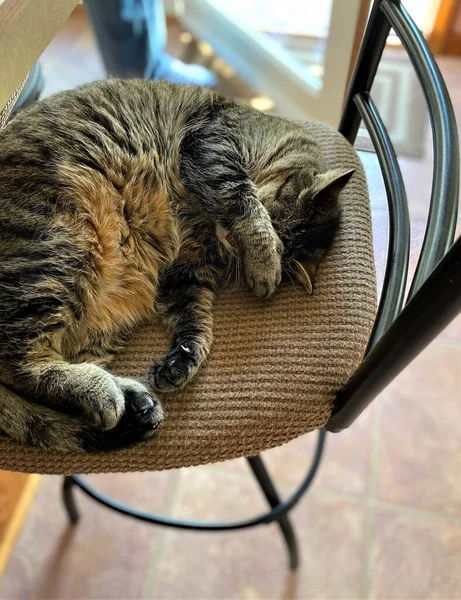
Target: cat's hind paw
[142, 416]
[143, 412]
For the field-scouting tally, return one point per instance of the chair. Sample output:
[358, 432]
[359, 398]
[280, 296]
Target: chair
[281, 369]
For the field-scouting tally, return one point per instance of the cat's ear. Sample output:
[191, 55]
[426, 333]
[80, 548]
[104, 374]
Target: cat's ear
[325, 190]
[330, 184]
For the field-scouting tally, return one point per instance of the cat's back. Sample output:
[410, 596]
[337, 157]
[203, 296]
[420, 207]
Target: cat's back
[103, 121]
[129, 131]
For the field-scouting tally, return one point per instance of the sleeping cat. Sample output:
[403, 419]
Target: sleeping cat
[122, 198]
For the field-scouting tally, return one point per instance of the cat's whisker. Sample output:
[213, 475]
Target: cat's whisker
[291, 279]
[304, 278]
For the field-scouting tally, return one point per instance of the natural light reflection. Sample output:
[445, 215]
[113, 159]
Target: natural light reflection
[294, 28]
[205, 49]
[185, 37]
[262, 103]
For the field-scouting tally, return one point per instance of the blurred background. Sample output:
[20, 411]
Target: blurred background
[383, 519]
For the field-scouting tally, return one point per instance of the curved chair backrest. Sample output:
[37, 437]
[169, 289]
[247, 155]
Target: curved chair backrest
[404, 326]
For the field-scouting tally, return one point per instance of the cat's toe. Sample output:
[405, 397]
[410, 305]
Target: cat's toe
[142, 410]
[172, 372]
[105, 410]
[264, 274]
[264, 284]
[141, 418]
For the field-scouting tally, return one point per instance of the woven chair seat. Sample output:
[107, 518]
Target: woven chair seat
[275, 365]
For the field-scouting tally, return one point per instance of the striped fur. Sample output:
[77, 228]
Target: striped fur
[124, 197]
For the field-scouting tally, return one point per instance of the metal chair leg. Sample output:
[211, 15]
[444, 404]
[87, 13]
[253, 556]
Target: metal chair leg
[69, 500]
[268, 488]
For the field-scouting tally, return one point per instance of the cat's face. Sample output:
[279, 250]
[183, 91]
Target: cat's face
[305, 213]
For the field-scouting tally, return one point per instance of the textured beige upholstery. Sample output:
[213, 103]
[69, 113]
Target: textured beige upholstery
[274, 368]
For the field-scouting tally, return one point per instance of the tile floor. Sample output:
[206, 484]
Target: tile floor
[383, 520]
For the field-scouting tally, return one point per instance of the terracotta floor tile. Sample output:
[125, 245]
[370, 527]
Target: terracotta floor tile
[252, 563]
[345, 465]
[453, 331]
[380, 242]
[104, 556]
[209, 493]
[415, 558]
[420, 435]
[417, 177]
[416, 172]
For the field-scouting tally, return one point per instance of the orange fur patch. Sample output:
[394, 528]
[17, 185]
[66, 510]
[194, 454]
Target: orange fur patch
[128, 234]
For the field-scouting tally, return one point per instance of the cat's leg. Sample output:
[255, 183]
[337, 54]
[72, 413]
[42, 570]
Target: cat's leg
[186, 308]
[88, 391]
[40, 426]
[211, 167]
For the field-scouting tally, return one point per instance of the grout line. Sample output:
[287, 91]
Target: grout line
[413, 511]
[369, 501]
[371, 497]
[283, 485]
[157, 551]
[352, 498]
[396, 507]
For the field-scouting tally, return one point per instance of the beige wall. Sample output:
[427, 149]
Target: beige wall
[26, 29]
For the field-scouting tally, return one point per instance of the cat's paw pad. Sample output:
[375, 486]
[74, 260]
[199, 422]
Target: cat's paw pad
[174, 370]
[143, 412]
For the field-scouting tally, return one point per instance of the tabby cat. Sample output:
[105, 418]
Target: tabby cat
[124, 197]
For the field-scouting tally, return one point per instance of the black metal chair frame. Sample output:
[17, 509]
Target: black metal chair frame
[405, 324]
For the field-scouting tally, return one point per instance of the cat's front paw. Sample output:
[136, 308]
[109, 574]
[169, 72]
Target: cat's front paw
[174, 370]
[263, 266]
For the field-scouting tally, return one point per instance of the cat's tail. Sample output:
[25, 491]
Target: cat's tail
[45, 428]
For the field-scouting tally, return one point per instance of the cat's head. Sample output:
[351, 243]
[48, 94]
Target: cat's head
[305, 212]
